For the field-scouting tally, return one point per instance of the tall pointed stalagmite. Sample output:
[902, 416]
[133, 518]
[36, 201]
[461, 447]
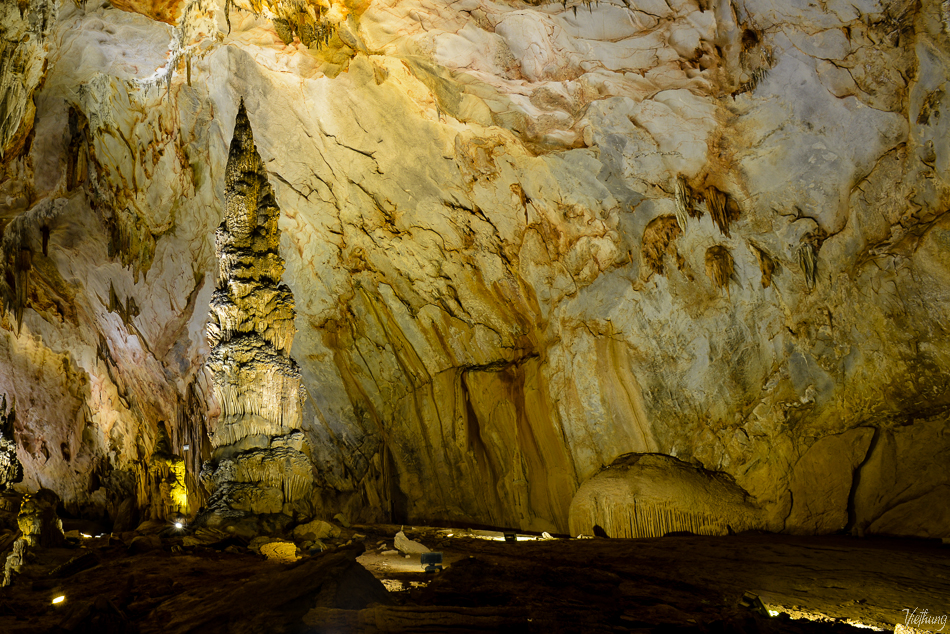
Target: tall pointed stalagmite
[260, 462]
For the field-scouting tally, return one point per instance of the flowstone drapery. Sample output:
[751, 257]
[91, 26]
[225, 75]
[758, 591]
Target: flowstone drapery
[260, 462]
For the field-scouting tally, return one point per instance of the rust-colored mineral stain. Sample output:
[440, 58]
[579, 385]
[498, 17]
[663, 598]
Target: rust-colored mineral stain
[162, 10]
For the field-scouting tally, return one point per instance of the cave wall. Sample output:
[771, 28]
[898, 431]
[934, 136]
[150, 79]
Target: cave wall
[497, 290]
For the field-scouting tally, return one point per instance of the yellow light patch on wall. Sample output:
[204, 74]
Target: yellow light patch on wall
[178, 489]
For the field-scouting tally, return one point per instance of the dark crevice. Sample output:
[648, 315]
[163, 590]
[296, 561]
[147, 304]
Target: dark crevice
[856, 482]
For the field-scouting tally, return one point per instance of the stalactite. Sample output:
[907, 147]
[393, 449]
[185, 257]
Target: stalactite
[755, 77]
[24, 263]
[808, 261]
[722, 209]
[756, 60]
[130, 240]
[719, 266]
[77, 149]
[658, 240]
[284, 31]
[684, 201]
[126, 311]
[114, 304]
[766, 265]
[296, 19]
[103, 352]
[308, 34]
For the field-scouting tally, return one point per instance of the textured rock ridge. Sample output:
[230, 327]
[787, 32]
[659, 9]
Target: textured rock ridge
[260, 462]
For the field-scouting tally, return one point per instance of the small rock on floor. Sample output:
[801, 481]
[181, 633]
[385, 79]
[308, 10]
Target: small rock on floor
[280, 551]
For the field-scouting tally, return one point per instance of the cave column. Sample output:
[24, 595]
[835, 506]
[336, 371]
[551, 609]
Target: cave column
[260, 459]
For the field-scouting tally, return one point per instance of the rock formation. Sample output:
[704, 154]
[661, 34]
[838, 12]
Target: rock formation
[654, 495]
[523, 239]
[11, 471]
[40, 527]
[24, 28]
[168, 481]
[260, 461]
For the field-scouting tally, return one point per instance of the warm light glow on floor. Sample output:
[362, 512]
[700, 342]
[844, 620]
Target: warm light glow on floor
[799, 614]
[59, 599]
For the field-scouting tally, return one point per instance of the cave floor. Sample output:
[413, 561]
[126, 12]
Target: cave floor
[671, 584]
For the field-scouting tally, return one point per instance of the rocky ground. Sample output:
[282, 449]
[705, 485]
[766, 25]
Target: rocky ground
[159, 579]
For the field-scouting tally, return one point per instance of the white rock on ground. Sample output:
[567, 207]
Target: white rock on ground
[407, 546]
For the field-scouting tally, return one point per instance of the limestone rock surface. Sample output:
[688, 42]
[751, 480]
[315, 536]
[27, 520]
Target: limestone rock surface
[900, 488]
[521, 239]
[822, 480]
